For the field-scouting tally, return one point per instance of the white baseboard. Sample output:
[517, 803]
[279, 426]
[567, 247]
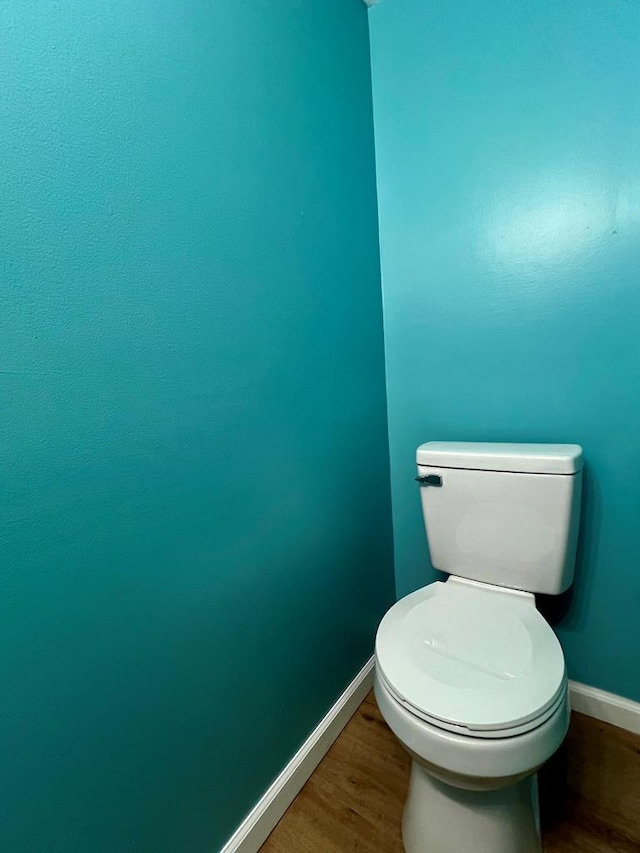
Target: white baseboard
[254, 829]
[605, 706]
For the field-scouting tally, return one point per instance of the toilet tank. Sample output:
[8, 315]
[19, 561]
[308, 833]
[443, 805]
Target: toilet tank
[505, 514]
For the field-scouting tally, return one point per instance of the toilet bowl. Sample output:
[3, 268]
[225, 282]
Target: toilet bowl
[471, 680]
[459, 760]
[468, 674]
[451, 811]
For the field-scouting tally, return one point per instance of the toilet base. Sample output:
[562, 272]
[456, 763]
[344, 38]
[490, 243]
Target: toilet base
[441, 818]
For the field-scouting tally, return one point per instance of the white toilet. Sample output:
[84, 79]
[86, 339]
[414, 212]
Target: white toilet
[469, 676]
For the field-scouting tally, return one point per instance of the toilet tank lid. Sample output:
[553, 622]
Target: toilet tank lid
[489, 456]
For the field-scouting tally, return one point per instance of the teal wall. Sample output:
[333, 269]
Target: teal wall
[508, 146]
[195, 538]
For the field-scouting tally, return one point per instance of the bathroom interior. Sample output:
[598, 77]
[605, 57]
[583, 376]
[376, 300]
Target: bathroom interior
[254, 255]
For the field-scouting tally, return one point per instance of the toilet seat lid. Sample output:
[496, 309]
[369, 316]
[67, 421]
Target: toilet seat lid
[471, 656]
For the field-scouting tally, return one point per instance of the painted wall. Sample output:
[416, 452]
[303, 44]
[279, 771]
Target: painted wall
[508, 148]
[195, 533]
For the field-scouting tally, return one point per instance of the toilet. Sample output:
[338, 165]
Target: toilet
[468, 674]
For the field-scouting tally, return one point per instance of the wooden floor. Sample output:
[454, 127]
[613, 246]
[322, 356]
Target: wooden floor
[590, 793]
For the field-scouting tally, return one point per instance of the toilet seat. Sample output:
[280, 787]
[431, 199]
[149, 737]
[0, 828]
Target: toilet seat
[472, 658]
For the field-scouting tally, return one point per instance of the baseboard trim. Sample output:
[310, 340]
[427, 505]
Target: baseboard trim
[254, 829]
[604, 706]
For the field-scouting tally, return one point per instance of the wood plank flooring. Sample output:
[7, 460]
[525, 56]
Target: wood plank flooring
[590, 793]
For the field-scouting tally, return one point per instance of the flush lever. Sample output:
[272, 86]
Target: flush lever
[430, 480]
